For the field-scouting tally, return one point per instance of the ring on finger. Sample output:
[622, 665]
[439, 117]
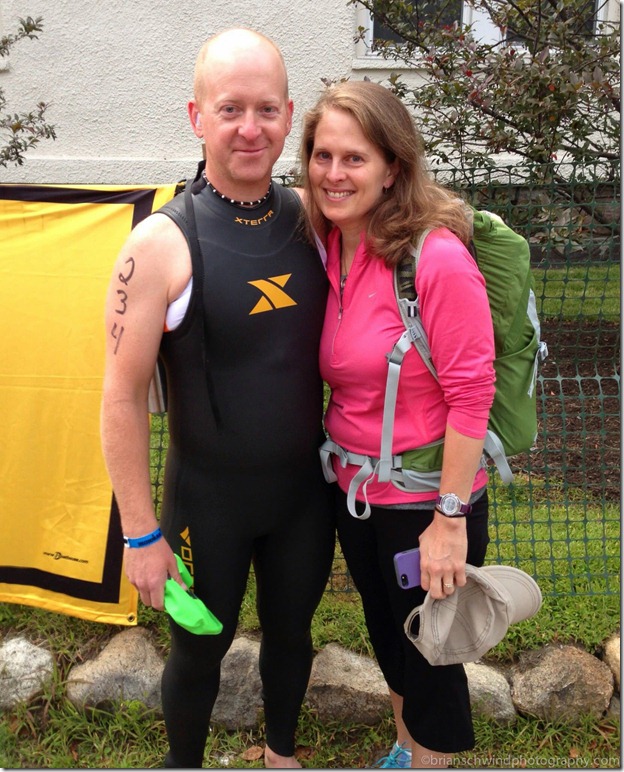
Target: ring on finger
[448, 586]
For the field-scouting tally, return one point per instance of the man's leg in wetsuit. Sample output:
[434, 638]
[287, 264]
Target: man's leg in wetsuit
[190, 682]
[286, 520]
[292, 566]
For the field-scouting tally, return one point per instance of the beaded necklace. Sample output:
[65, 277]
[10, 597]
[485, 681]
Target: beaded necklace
[246, 204]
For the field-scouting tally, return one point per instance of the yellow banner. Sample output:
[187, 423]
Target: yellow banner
[60, 535]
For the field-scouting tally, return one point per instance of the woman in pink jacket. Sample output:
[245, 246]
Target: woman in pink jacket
[368, 190]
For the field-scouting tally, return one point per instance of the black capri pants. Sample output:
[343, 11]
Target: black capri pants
[436, 702]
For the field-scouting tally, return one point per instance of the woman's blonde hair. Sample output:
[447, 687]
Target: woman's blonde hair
[415, 201]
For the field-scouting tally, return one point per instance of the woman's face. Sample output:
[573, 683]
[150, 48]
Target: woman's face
[347, 172]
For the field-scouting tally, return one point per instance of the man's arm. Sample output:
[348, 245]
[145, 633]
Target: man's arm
[152, 268]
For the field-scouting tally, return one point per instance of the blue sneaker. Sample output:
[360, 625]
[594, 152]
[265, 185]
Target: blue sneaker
[399, 757]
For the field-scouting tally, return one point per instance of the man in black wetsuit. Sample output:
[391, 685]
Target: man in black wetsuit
[242, 321]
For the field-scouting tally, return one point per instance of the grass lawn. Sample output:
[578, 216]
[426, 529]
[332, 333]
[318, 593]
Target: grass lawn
[50, 733]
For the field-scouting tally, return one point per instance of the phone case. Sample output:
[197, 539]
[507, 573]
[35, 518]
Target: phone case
[407, 568]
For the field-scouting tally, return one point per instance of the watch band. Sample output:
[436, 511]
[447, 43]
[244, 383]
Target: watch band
[450, 505]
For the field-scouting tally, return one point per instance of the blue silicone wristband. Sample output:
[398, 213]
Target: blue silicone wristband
[143, 541]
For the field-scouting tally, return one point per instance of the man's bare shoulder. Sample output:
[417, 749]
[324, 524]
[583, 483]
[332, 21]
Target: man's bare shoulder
[157, 242]
[157, 232]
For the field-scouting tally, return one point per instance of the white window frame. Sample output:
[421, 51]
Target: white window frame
[363, 48]
[487, 31]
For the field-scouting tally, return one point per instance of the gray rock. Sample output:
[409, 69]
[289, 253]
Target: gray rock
[347, 687]
[615, 708]
[128, 668]
[240, 693]
[25, 669]
[556, 683]
[612, 657]
[561, 683]
[490, 693]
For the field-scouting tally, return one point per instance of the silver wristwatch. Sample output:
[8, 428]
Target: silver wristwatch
[451, 505]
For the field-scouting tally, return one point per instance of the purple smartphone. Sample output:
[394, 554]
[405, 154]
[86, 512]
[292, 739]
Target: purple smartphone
[407, 568]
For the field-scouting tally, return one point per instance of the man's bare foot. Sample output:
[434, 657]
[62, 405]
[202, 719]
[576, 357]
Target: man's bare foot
[273, 761]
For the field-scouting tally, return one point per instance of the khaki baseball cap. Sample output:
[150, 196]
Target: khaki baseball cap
[185, 608]
[465, 625]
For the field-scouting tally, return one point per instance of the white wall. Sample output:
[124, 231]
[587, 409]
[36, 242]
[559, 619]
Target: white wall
[118, 75]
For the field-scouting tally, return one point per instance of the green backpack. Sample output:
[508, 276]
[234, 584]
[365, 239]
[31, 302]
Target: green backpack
[503, 258]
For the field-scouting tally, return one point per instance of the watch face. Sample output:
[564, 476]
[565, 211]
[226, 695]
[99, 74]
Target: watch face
[450, 504]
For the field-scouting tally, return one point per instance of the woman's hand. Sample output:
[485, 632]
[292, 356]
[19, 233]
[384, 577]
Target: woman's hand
[444, 544]
[443, 551]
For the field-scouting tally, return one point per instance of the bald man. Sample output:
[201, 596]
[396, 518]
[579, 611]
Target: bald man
[236, 324]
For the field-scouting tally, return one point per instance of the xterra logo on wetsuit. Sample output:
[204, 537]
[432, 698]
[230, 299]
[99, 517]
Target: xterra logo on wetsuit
[273, 296]
[257, 221]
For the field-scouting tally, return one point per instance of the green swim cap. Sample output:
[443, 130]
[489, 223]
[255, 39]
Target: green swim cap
[186, 609]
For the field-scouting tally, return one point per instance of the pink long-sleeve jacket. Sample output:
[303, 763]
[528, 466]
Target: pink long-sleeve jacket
[361, 329]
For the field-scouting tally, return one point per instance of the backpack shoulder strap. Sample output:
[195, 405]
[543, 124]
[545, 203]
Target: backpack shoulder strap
[408, 303]
[407, 300]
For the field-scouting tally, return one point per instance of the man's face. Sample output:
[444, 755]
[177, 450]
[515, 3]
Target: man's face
[245, 119]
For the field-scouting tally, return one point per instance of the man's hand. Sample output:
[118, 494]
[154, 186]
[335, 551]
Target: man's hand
[148, 568]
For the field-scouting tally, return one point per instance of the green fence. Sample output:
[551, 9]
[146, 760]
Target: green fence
[560, 519]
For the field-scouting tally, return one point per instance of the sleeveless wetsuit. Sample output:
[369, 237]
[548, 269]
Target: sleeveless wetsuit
[243, 481]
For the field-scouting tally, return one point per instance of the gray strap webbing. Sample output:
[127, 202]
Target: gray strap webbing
[411, 318]
[409, 309]
[403, 479]
[366, 472]
[412, 481]
[362, 478]
[542, 350]
[395, 358]
[494, 448]
[325, 451]
[414, 335]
